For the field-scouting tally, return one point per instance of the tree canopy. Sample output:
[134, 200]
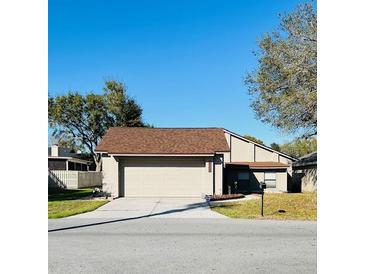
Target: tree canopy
[83, 119]
[65, 140]
[275, 146]
[284, 85]
[299, 147]
[253, 139]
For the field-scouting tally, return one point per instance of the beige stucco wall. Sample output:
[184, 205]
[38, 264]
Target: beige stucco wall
[251, 152]
[284, 160]
[218, 178]
[258, 177]
[226, 157]
[281, 180]
[241, 151]
[245, 151]
[110, 176]
[264, 155]
[208, 177]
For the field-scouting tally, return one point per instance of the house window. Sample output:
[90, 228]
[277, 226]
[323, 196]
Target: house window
[71, 166]
[243, 176]
[270, 179]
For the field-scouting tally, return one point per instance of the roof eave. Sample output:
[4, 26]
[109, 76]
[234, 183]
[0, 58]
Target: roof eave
[305, 164]
[161, 154]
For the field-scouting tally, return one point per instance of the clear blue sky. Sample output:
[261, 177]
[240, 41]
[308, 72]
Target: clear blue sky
[183, 61]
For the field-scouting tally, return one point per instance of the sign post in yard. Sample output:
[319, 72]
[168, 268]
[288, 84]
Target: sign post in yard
[263, 187]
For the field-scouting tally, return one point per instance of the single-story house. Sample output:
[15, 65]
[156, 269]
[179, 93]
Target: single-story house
[183, 162]
[60, 158]
[305, 173]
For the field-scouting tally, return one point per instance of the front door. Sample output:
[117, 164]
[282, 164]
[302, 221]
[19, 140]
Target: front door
[243, 178]
[237, 181]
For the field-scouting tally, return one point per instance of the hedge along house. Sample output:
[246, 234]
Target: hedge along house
[187, 162]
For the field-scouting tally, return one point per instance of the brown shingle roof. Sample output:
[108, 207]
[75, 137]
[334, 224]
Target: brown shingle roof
[138, 140]
[259, 165]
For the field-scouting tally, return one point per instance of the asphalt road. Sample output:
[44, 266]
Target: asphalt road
[181, 246]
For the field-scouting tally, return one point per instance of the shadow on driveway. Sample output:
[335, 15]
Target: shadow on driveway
[188, 207]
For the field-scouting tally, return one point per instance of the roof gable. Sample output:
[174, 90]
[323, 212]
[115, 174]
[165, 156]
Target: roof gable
[140, 140]
[260, 145]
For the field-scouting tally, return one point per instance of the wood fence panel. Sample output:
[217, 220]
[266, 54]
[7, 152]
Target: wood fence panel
[79, 179]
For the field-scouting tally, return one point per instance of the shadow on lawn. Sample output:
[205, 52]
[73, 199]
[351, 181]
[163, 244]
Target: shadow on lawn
[189, 207]
[67, 194]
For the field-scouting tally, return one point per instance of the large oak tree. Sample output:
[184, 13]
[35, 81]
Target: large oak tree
[284, 86]
[85, 118]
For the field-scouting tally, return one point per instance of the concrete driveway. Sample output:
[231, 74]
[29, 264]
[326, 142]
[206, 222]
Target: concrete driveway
[136, 208]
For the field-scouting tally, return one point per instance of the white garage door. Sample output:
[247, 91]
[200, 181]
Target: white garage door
[164, 178]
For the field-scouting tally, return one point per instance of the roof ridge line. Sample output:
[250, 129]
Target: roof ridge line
[172, 127]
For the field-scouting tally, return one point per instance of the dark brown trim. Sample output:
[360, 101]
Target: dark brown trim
[254, 152]
[230, 147]
[268, 169]
[222, 172]
[162, 154]
[255, 168]
[213, 176]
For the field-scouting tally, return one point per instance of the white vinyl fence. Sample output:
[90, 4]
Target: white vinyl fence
[78, 179]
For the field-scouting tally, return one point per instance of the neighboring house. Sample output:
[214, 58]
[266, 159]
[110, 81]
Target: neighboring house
[182, 162]
[305, 173]
[60, 158]
[70, 170]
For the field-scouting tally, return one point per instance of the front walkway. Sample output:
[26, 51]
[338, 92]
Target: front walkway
[153, 208]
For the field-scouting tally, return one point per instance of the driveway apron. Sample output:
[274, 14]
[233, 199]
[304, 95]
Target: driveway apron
[153, 208]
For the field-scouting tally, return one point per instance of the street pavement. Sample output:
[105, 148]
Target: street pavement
[142, 244]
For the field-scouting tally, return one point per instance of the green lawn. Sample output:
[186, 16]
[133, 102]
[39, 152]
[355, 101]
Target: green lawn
[68, 194]
[297, 206]
[63, 203]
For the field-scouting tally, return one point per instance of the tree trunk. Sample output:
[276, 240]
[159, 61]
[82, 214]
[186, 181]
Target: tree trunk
[97, 160]
[98, 165]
